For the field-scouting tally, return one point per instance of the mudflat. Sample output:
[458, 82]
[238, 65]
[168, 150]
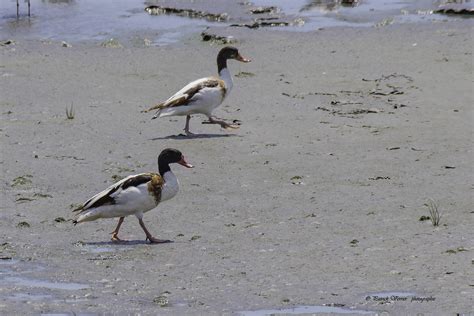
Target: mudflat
[317, 200]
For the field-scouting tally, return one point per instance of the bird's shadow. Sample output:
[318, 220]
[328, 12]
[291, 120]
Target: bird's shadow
[195, 136]
[124, 243]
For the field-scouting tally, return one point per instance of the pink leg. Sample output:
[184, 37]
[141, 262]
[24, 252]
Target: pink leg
[116, 231]
[149, 237]
[222, 123]
[186, 127]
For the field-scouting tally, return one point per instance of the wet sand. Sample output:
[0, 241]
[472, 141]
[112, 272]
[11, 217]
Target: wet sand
[315, 200]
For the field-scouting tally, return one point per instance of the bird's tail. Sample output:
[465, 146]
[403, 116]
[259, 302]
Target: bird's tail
[155, 107]
[89, 215]
[79, 208]
[158, 107]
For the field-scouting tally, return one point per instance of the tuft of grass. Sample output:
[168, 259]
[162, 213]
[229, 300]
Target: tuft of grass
[23, 225]
[458, 249]
[296, 180]
[354, 242]
[161, 300]
[435, 215]
[70, 112]
[59, 219]
[22, 180]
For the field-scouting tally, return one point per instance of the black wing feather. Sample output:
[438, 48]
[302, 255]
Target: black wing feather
[136, 181]
[106, 195]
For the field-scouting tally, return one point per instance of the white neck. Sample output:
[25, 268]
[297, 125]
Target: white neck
[227, 77]
[171, 186]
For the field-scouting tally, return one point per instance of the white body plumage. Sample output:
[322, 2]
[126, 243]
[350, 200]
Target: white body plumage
[204, 95]
[135, 195]
[202, 102]
[134, 200]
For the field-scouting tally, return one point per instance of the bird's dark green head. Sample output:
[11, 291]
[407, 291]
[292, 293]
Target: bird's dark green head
[171, 155]
[229, 52]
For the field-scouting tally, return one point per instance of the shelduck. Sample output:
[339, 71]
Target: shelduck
[135, 195]
[204, 95]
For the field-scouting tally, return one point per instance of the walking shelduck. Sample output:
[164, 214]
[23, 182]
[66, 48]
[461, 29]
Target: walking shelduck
[135, 195]
[204, 95]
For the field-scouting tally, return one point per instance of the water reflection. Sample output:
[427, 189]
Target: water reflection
[329, 5]
[58, 1]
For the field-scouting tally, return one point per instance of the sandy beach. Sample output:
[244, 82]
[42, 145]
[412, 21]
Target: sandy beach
[315, 201]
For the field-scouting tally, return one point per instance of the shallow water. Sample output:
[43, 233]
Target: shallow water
[9, 261]
[14, 266]
[73, 20]
[29, 282]
[30, 297]
[367, 13]
[70, 20]
[298, 310]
